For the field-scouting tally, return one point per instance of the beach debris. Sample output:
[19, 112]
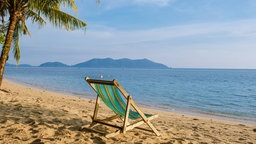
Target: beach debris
[241, 139]
[101, 76]
[254, 130]
[6, 91]
[241, 124]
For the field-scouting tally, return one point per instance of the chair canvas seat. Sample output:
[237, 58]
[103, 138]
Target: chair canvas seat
[120, 102]
[111, 96]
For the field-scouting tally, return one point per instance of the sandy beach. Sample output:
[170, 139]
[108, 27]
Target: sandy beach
[30, 115]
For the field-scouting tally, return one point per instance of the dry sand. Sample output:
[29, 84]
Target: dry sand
[29, 115]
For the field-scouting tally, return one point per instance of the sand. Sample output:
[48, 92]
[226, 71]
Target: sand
[30, 115]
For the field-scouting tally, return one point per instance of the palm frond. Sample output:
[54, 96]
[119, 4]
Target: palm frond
[25, 28]
[41, 4]
[61, 19]
[20, 29]
[35, 17]
[17, 52]
[3, 10]
[3, 27]
[70, 4]
[15, 43]
[2, 38]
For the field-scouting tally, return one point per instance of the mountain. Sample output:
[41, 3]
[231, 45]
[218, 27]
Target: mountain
[19, 65]
[53, 64]
[104, 63]
[121, 63]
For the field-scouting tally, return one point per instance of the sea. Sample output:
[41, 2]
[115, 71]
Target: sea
[228, 94]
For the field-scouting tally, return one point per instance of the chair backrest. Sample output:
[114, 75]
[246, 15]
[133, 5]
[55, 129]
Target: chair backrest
[110, 94]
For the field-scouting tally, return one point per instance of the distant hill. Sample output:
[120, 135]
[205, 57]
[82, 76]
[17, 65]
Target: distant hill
[53, 64]
[20, 65]
[121, 63]
[104, 63]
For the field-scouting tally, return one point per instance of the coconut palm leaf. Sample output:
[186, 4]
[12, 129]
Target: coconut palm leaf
[60, 19]
[2, 38]
[24, 28]
[41, 4]
[35, 17]
[15, 43]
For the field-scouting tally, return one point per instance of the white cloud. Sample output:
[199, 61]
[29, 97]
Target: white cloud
[101, 35]
[112, 4]
[155, 2]
[244, 28]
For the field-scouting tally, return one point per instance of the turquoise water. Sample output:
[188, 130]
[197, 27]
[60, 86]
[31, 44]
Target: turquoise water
[220, 92]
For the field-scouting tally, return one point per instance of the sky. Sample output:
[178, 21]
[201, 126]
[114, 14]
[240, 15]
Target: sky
[177, 33]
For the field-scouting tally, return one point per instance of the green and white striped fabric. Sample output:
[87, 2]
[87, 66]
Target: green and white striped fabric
[112, 97]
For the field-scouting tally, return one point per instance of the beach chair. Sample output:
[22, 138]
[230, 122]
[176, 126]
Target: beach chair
[122, 104]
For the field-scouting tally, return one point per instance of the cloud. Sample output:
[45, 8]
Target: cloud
[112, 4]
[243, 28]
[153, 2]
[108, 36]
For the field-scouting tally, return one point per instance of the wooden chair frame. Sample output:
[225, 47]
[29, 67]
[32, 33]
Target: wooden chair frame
[126, 125]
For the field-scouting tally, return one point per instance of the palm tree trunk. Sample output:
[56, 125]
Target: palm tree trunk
[7, 45]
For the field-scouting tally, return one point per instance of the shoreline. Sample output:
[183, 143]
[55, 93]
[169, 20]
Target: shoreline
[197, 113]
[32, 115]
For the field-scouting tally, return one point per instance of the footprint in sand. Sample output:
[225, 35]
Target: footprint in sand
[18, 108]
[11, 130]
[46, 132]
[33, 131]
[97, 139]
[37, 141]
[30, 121]
[3, 120]
[39, 100]
[13, 100]
[18, 133]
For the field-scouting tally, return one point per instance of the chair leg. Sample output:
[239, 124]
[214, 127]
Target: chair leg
[146, 120]
[113, 134]
[126, 114]
[153, 128]
[95, 113]
[96, 109]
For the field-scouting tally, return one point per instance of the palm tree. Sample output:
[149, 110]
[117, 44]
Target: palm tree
[38, 11]
[1, 38]
[2, 14]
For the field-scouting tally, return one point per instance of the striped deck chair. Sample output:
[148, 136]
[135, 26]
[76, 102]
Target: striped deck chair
[121, 103]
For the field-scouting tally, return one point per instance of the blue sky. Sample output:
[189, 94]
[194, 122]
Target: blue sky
[177, 33]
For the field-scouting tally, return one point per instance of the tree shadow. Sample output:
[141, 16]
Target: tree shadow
[37, 124]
